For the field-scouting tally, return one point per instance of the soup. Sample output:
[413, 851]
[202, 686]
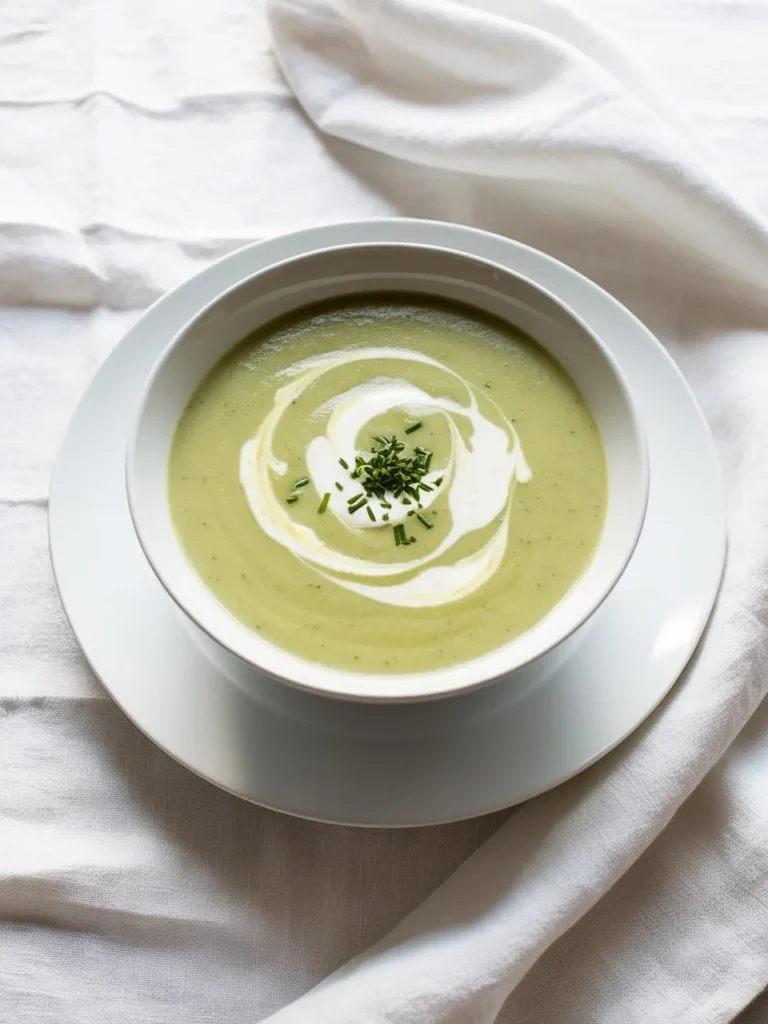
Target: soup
[388, 485]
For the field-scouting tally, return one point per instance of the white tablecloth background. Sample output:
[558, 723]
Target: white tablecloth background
[138, 141]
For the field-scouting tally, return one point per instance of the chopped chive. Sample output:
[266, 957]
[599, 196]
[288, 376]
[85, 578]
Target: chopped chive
[423, 519]
[293, 498]
[411, 540]
[339, 487]
[385, 471]
[343, 464]
[302, 482]
[411, 512]
[396, 531]
[371, 516]
[324, 503]
[439, 481]
[358, 506]
[385, 517]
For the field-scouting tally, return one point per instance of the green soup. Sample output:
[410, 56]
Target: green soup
[388, 486]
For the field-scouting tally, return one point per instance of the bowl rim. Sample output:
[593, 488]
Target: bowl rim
[377, 687]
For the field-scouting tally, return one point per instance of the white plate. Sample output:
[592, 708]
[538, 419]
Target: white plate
[391, 765]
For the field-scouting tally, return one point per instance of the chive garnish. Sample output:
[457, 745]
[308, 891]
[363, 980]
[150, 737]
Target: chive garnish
[324, 503]
[293, 498]
[386, 470]
[343, 464]
[339, 487]
[438, 481]
[385, 517]
[302, 482]
[423, 519]
[396, 531]
[371, 516]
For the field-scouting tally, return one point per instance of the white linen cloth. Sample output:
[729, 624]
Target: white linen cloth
[137, 142]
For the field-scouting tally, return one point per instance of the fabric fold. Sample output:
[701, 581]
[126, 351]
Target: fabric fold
[525, 117]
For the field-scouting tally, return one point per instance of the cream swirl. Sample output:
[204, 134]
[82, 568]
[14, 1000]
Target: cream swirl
[479, 477]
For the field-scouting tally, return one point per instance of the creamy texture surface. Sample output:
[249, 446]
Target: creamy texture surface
[517, 484]
[478, 478]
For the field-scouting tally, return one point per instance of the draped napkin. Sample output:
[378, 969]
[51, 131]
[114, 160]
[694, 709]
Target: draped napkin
[516, 116]
[140, 140]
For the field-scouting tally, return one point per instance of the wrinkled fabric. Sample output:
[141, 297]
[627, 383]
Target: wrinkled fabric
[138, 142]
